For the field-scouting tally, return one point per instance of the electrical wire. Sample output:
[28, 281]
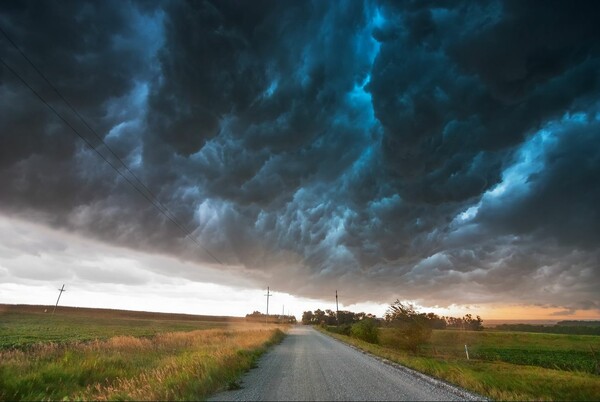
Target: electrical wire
[150, 197]
[81, 117]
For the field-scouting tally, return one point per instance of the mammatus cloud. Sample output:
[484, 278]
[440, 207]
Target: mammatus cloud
[445, 153]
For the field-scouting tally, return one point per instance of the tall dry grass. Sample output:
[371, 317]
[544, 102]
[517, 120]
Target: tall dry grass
[178, 365]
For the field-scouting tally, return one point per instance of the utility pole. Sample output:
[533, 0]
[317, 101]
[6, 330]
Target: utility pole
[268, 295]
[61, 290]
[337, 310]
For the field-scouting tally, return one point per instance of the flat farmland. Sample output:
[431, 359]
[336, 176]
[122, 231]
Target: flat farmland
[554, 351]
[502, 365]
[111, 354]
[22, 326]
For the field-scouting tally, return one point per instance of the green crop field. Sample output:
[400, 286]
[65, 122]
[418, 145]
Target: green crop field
[109, 354]
[22, 326]
[556, 351]
[503, 365]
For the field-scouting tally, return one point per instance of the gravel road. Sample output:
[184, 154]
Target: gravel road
[310, 366]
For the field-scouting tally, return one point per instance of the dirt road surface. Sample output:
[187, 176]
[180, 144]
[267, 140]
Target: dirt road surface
[310, 366]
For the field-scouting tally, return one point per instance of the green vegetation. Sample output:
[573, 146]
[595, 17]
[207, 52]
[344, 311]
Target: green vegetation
[344, 329]
[341, 318]
[257, 316]
[330, 317]
[563, 327]
[579, 323]
[20, 329]
[562, 352]
[502, 365]
[72, 357]
[409, 329]
[366, 330]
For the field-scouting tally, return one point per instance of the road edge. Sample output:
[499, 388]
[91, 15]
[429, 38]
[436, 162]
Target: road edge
[234, 383]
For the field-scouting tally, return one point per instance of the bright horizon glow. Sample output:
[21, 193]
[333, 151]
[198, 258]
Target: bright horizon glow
[93, 281]
[165, 302]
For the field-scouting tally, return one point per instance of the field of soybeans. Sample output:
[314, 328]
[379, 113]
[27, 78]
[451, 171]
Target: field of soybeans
[503, 365]
[110, 354]
[576, 353]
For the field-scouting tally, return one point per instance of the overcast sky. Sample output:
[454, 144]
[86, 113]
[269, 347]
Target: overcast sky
[446, 153]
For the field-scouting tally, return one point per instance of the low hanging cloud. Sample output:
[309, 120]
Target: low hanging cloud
[445, 153]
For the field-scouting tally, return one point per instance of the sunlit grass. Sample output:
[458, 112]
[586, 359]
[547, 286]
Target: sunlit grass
[159, 363]
[22, 329]
[188, 365]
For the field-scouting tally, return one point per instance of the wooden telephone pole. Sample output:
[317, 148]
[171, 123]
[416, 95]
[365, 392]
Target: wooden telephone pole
[268, 295]
[61, 291]
[337, 310]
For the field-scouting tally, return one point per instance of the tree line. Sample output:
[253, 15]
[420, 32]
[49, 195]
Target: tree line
[329, 317]
[578, 323]
[408, 327]
[396, 310]
[257, 316]
[570, 329]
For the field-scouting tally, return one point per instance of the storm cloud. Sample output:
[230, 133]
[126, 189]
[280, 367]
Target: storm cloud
[443, 152]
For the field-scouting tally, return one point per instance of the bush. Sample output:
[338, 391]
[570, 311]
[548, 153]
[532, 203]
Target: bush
[366, 330]
[411, 329]
[411, 335]
[343, 329]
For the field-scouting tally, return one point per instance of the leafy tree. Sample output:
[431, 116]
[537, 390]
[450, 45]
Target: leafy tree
[474, 324]
[343, 329]
[255, 314]
[412, 329]
[307, 318]
[348, 317]
[453, 322]
[362, 316]
[467, 322]
[366, 329]
[436, 321]
[330, 317]
[319, 317]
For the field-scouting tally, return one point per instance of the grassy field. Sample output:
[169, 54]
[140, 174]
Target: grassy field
[23, 326]
[562, 352]
[92, 356]
[503, 365]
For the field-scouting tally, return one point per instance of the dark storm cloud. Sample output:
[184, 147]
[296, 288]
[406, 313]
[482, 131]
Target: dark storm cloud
[435, 151]
[561, 202]
[96, 54]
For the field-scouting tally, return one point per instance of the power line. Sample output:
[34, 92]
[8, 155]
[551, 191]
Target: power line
[152, 198]
[81, 118]
[87, 125]
[154, 203]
